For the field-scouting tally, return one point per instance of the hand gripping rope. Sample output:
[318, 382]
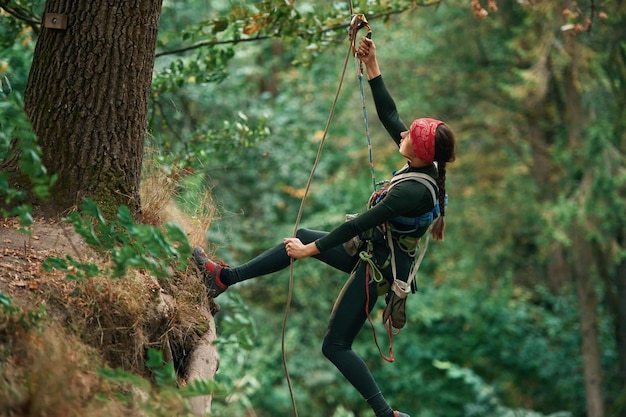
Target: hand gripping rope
[357, 22]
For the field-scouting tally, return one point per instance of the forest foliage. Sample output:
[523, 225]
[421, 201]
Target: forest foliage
[241, 95]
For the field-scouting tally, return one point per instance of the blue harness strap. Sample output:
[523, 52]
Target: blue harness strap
[405, 224]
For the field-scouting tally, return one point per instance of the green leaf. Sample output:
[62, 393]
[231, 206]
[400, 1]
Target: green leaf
[119, 375]
[54, 262]
[164, 373]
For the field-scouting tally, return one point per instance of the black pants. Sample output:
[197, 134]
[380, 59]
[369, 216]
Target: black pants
[349, 313]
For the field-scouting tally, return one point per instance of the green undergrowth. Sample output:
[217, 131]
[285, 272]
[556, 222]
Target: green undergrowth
[96, 341]
[128, 244]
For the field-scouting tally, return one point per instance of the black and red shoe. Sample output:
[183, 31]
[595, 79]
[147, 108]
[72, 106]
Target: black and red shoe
[210, 271]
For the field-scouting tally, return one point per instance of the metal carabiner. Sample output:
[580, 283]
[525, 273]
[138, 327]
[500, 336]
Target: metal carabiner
[358, 21]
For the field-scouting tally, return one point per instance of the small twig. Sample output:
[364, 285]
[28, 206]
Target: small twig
[69, 239]
[593, 13]
[23, 14]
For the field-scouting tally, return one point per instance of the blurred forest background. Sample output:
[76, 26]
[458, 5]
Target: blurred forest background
[520, 310]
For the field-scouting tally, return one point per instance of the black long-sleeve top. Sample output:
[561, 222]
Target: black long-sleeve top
[407, 198]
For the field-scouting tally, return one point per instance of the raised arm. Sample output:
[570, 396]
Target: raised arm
[385, 105]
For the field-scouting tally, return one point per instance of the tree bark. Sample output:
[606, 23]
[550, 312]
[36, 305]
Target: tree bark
[575, 120]
[589, 325]
[620, 318]
[87, 97]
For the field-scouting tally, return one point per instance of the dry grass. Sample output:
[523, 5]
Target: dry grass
[158, 192]
[96, 323]
[104, 322]
[51, 373]
[115, 316]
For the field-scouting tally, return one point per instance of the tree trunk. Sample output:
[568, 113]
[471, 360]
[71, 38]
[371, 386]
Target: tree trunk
[87, 96]
[575, 120]
[589, 325]
[620, 319]
[555, 100]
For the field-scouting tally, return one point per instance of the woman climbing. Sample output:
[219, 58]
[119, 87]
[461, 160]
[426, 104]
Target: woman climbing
[425, 143]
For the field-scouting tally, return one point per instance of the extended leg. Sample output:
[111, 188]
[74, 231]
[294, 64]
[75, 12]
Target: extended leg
[346, 320]
[276, 259]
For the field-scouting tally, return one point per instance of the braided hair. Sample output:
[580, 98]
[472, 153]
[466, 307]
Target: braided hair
[445, 151]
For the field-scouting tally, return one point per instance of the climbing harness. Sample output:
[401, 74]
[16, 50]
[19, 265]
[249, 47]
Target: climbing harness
[403, 225]
[394, 316]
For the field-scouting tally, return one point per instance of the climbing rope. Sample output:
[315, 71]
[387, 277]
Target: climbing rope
[295, 229]
[389, 358]
[367, 129]
[358, 22]
[355, 25]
